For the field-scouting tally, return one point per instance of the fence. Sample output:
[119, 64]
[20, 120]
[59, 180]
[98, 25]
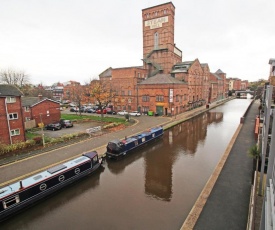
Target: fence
[93, 130]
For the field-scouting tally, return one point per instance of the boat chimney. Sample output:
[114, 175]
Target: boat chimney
[21, 184]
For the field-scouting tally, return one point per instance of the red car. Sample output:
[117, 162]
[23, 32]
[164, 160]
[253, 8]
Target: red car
[104, 111]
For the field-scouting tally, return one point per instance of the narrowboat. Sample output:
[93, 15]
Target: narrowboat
[119, 148]
[24, 193]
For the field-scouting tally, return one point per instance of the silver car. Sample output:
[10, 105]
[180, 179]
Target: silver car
[123, 112]
[135, 113]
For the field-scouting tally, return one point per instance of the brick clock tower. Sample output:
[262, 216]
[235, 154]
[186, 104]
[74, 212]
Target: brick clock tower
[159, 50]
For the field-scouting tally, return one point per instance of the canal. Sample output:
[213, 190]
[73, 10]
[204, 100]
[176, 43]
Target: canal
[154, 188]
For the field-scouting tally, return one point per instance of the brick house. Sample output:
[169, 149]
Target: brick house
[42, 110]
[11, 116]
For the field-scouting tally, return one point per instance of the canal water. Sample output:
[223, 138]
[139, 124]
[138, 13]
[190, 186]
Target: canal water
[153, 188]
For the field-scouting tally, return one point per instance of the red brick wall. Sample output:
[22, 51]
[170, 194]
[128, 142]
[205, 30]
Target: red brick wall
[125, 80]
[164, 55]
[7, 125]
[50, 112]
[180, 90]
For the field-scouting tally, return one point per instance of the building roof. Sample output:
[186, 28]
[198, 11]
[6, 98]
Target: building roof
[271, 60]
[182, 67]
[161, 79]
[159, 5]
[106, 73]
[32, 101]
[219, 71]
[9, 90]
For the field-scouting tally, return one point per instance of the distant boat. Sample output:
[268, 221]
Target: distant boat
[23, 193]
[119, 148]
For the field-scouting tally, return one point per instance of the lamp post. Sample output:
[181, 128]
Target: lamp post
[42, 130]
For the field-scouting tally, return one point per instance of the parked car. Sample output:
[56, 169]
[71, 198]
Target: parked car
[110, 111]
[90, 110]
[135, 113]
[74, 109]
[123, 112]
[104, 111]
[66, 123]
[53, 126]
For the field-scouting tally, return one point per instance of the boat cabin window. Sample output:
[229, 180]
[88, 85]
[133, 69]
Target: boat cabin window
[143, 139]
[95, 160]
[11, 201]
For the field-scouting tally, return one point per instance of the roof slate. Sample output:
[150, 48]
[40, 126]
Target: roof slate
[219, 71]
[9, 90]
[31, 101]
[161, 79]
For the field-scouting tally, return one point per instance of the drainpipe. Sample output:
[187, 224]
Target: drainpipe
[8, 121]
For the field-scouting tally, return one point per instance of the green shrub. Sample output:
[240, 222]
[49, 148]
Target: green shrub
[111, 125]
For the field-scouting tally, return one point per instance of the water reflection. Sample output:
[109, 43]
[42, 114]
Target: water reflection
[187, 135]
[159, 164]
[53, 202]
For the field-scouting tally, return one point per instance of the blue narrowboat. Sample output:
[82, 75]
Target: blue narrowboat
[119, 148]
[22, 194]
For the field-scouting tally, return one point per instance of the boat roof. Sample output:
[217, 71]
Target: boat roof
[12, 188]
[141, 135]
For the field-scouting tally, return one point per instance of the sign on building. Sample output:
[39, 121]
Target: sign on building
[170, 95]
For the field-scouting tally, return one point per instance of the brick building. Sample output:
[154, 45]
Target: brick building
[196, 78]
[159, 49]
[11, 117]
[163, 94]
[68, 88]
[42, 110]
[164, 84]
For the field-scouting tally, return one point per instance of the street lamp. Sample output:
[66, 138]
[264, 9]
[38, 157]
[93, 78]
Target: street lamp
[42, 130]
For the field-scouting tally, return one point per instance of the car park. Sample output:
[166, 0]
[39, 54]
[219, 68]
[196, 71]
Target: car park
[110, 111]
[66, 123]
[90, 110]
[123, 112]
[53, 126]
[104, 111]
[74, 109]
[135, 113]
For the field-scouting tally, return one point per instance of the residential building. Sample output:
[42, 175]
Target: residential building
[42, 110]
[11, 117]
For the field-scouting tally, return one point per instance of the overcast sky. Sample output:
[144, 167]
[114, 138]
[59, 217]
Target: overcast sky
[62, 40]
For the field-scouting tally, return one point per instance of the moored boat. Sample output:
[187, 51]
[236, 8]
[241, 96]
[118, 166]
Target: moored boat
[22, 194]
[119, 148]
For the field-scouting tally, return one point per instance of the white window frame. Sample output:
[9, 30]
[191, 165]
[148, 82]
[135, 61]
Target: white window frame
[11, 99]
[13, 116]
[27, 108]
[15, 132]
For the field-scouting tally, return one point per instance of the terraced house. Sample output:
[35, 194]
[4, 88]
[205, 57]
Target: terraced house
[11, 117]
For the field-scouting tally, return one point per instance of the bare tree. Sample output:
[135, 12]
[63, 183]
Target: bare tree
[102, 93]
[77, 94]
[13, 77]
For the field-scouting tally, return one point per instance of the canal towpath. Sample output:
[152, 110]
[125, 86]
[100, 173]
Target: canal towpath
[225, 199]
